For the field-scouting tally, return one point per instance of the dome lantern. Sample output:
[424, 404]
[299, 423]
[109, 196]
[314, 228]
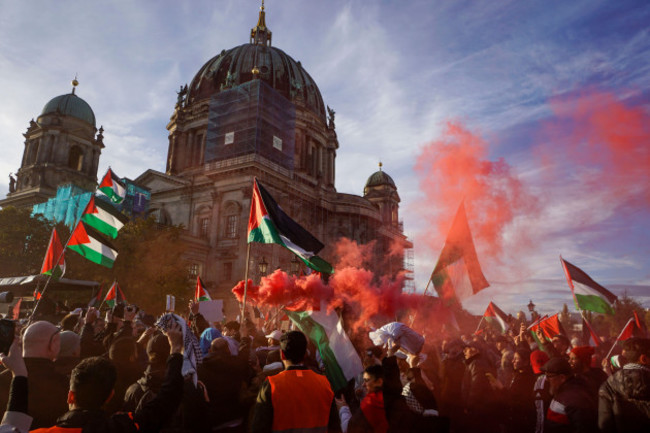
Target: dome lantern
[260, 34]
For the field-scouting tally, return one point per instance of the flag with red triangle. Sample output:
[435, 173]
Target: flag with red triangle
[37, 294]
[112, 187]
[495, 315]
[642, 330]
[114, 295]
[458, 273]
[54, 252]
[552, 326]
[201, 294]
[97, 298]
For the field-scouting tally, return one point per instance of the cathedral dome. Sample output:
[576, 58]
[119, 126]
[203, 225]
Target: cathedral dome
[70, 105]
[257, 59]
[380, 178]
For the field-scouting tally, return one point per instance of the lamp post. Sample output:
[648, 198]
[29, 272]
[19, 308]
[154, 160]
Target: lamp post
[263, 266]
[531, 309]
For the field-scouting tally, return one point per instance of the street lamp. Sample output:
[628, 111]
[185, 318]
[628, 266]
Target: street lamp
[263, 266]
[531, 306]
[295, 265]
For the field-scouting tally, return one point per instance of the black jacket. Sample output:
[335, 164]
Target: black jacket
[624, 401]
[149, 419]
[574, 409]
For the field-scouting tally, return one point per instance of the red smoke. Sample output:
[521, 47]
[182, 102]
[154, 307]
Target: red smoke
[455, 167]
[601, 142]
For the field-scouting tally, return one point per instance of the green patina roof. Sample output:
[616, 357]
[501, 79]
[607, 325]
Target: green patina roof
[70, 105]
[380, 178]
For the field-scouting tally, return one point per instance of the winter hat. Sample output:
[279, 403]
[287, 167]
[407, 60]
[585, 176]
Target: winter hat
[557, 365]
[584, 354]
[537, 360]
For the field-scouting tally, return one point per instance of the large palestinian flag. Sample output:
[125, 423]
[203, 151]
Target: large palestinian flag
[92, 245]
[342, 362]
[54, 252]
[103, 217]
[112, 186]
[268, 224]
[458, 274]
[588, 294]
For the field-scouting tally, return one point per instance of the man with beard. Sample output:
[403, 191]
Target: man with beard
[624, 399]
[573, 408]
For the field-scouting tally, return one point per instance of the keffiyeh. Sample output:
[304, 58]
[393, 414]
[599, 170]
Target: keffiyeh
[192, 355]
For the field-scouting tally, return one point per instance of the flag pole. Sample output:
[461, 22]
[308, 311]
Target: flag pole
[243, 304]
[423, 294]
[479, 324]
[617, 339]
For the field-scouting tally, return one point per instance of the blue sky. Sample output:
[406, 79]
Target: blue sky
[395, 72]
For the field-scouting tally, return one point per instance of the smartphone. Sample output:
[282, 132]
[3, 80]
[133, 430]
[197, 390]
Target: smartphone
[7, 333]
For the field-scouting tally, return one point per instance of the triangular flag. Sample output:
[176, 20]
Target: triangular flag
[37, 294]
[552, 326]
[97, 298]
[103, 217]
[201, 294]
[458, 273]
[494, 314]
[92, 245]
[640, 325]
[54, 252]
[628, 330]
[112, 187]
[268, 224]
[588, 294]
[114, 295]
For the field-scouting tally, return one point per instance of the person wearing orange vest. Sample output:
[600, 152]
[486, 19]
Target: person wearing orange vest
[297, 399]
[92, 384]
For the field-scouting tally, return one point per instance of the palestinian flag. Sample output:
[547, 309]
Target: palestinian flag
[96, 299]
[268, 224]
[114, 295]
[589, 336]
[54, 252]
[16, 310]
[640, 325]
[112, 187]
[342, 362]
[588, 294]
[201, 294]
[37, 294]
[103, 217]
[551, 326]
[458, 274]
[92, 245]
[494, 314]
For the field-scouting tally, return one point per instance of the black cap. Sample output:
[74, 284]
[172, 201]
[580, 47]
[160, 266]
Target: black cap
[294, 345]
[557, 365]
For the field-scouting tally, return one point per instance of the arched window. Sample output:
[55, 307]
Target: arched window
[230, 220]
[75, 158]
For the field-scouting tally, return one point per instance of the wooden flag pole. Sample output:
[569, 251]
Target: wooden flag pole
[243, 304]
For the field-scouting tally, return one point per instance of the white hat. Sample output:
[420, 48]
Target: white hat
[275, 335]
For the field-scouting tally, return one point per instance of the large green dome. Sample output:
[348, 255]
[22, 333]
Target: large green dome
[379, 178]
[70, 105]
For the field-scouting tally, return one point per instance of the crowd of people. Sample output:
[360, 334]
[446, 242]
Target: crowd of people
[130, 373]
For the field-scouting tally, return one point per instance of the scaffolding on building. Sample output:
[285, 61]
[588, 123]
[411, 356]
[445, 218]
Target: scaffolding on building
[409, 269]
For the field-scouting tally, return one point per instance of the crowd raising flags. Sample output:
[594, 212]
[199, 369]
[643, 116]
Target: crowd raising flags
[458, 273]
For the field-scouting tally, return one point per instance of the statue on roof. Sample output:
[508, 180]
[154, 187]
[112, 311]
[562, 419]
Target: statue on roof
[12, 183]
[331, 113]
[181, 96]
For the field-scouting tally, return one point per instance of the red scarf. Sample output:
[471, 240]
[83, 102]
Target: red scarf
[372, 407]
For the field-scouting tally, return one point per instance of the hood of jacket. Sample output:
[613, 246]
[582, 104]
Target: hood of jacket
[633, 381]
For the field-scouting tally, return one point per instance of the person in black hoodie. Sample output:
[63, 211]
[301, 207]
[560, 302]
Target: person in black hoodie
[624, 398]
[478, 396]
[519, 396]
[91, 386]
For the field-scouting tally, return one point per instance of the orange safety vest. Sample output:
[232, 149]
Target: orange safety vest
[56, 429]
[301, 401]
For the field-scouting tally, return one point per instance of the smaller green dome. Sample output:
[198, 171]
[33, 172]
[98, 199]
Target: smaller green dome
[70, 105]
[380, 178]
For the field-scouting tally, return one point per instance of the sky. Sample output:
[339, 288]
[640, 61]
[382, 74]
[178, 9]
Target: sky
[534, 113]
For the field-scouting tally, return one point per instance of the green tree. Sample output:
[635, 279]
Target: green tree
[23, 242]
[623, 311]
[149, 265]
